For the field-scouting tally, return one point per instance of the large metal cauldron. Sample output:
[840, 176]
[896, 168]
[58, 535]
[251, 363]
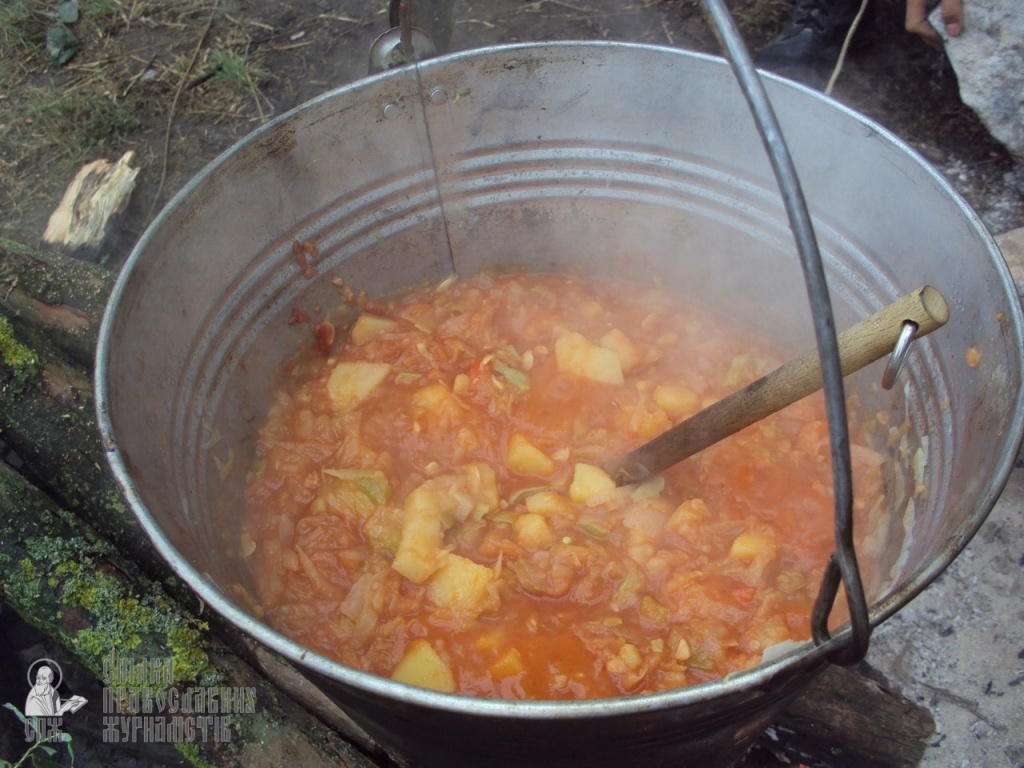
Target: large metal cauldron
[611, 158]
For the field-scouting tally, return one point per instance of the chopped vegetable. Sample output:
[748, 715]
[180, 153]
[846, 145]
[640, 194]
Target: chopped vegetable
[595, 528]
[383, 528]
[432, 508]
[654, 611]
[547, 503]
[461, 586]
[423, 667]
[682, 652]
[578, 356]
[351, 383]
[368, 326]
[589, 483]
[624, 349]
[676, 400]
[747, 546]
[533, 531]
[649, 488]
[355, 491]
[517, 378]
[509, 664]
[525, 458]
[435, 399]
[420, 550]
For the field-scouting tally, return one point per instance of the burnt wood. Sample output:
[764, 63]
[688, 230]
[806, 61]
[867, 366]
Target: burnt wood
[846, 720]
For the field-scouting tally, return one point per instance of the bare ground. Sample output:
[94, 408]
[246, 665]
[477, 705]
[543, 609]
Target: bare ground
[178, 81]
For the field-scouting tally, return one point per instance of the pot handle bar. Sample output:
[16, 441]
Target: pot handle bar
[869, 340]
[843, 563]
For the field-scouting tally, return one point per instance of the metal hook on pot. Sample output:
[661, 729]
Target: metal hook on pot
[402, 44]
[899, 354]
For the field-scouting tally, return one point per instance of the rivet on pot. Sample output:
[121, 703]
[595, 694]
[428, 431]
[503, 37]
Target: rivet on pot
[390, 111]
[437, 95]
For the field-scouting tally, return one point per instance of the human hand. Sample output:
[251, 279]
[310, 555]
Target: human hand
[917, 20]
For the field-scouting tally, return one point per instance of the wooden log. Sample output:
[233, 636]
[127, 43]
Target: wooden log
[845, 720]
[47, 416]
[60, 297]
[62, 578]
[86, 218]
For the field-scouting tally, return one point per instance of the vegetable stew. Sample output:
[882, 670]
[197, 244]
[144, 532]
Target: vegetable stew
[428, 501]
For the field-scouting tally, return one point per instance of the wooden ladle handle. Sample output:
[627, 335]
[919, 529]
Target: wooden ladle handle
[867, 341]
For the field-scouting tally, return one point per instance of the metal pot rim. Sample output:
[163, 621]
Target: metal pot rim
[804, 658]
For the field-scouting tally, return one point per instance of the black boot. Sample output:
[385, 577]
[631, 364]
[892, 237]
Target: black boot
[811, 39]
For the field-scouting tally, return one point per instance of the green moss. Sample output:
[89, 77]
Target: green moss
[24, 584]
[114, 502]
[27, 570]
[98, 7]
[191, 753]
[120, 621]
[99, 643]
[22, 361]
[188, 651]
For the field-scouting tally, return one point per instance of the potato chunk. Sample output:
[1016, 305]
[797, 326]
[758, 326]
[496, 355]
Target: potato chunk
[748, 546]
[589, 482]
[524, 457]
[574, 354]
[351, 383]
[432, 397]
[676, 400]
[533, 531]
[367, 326]
[424, 667]
[435, 405]
[619, 343]
[508, 664]
[460, 586]
[547, 503]
[420, 550]
[434, 506]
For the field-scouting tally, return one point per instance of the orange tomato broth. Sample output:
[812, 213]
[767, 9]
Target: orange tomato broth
[428, 503]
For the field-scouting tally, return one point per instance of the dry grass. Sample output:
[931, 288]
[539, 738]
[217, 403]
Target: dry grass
[115, 94]
[160, 76]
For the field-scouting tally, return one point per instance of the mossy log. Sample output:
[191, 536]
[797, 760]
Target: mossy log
[51, 307]
[51, 294]
[86, 596]
[47, 416]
